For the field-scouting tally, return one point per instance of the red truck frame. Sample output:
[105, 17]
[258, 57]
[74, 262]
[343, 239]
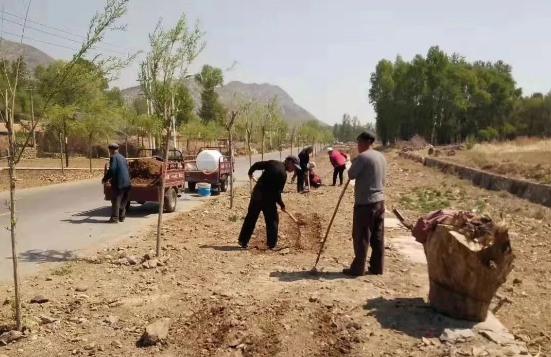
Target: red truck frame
[175, 179]
[220, 176]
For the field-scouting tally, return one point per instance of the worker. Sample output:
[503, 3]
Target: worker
[120, 183]
[315, 180]
[266, 194]
[338, 160]
[304, 157]
[369, 171]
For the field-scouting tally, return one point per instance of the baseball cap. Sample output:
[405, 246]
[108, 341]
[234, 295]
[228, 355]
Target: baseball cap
[329, 149]
[113, 146]
[293, 159]
[366, 136]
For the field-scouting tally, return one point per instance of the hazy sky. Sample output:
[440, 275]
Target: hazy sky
[320, 51]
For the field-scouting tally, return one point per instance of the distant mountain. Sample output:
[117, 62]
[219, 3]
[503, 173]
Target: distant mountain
[10, 50]
[262, 93]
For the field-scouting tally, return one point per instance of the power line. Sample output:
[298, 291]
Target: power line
[61, 30]
[59, 36]
[41, 41]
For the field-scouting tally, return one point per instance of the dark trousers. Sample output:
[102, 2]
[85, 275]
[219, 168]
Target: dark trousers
[368, 231]
[261, 202]
[301, 176]
[338, 171]
[119, 198]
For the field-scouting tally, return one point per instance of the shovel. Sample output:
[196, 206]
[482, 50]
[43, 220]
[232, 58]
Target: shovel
[314, 270]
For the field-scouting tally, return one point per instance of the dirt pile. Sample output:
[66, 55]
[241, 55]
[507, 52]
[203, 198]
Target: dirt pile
[145, 172]
[306, 235]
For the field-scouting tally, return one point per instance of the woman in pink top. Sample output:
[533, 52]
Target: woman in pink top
[338, 160]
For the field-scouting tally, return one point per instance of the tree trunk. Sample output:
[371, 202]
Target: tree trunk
[230, 144]
[262, 148]
[61, 153]
[66, 144]
[13, 219]
[90, 146]
[250, 159]
[162, 189]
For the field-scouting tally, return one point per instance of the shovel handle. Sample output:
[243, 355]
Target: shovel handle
[292, 217]
[331, 222]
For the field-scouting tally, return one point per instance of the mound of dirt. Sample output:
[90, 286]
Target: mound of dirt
[144, 171]
[304, 236]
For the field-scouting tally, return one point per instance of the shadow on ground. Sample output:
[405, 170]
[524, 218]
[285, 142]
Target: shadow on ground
[308, 275]
[222, 248]
[102, 214]
[46, 256]
[412, 316]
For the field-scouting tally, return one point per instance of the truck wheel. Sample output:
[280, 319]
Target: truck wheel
[224, 185]
[191, 186]
[171, 199]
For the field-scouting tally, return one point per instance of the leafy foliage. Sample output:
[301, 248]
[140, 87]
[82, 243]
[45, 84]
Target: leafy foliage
[447, 99]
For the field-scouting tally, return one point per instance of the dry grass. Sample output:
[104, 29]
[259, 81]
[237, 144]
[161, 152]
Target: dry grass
[519, 145]
[523, 158]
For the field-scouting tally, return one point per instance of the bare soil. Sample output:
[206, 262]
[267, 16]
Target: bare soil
[145, 171]
[76, 162]
[224, 301]
[36, 178]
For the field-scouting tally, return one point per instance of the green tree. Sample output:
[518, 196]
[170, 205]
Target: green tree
[211, 109]
[101, 22]
[166, 66]
[184, 105]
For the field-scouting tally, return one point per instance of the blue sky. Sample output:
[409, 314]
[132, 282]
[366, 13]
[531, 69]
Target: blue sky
[320, 51]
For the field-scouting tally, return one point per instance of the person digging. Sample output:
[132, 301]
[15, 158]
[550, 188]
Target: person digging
[304, 158]
[338, 160]
[265, 197]
[369, 171]
[120, 183]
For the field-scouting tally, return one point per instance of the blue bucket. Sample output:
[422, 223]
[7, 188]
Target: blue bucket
[203, 189]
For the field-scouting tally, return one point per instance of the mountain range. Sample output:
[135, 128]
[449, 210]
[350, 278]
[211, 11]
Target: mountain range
[262, 93]
[10, 50]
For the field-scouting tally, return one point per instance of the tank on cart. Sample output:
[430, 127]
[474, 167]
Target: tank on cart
[211, 165]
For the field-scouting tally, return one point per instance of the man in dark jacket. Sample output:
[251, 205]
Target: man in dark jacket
[120, 183]
[304, 157]
[266, 194]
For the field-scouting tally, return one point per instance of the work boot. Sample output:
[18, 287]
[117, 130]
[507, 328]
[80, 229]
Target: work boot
[349, 272]
[242, 245]
[121, 219]
[113, 220]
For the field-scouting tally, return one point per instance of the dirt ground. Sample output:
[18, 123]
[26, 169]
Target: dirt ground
[37, 178]
[224, 301]
[76, 162]
[527, 159]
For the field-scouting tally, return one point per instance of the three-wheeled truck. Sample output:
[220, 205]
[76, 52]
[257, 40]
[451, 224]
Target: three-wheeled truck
[220, 176]
[175, 180]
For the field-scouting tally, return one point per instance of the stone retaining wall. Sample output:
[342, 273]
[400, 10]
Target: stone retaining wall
[531, 191]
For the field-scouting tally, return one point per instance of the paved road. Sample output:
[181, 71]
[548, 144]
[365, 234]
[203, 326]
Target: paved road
[54, 221]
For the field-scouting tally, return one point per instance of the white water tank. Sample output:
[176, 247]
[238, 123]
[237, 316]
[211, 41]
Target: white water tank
[208, 160]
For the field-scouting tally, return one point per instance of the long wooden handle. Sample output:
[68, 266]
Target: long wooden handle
[292, 217]
[331, 222]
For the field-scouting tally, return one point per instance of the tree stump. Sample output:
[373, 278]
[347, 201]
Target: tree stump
[464, 273]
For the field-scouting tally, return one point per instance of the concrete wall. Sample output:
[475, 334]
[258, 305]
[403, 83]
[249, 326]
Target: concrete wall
[531, 191]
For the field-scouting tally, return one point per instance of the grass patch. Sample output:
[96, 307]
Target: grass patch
[424, 199]
[62, 271]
